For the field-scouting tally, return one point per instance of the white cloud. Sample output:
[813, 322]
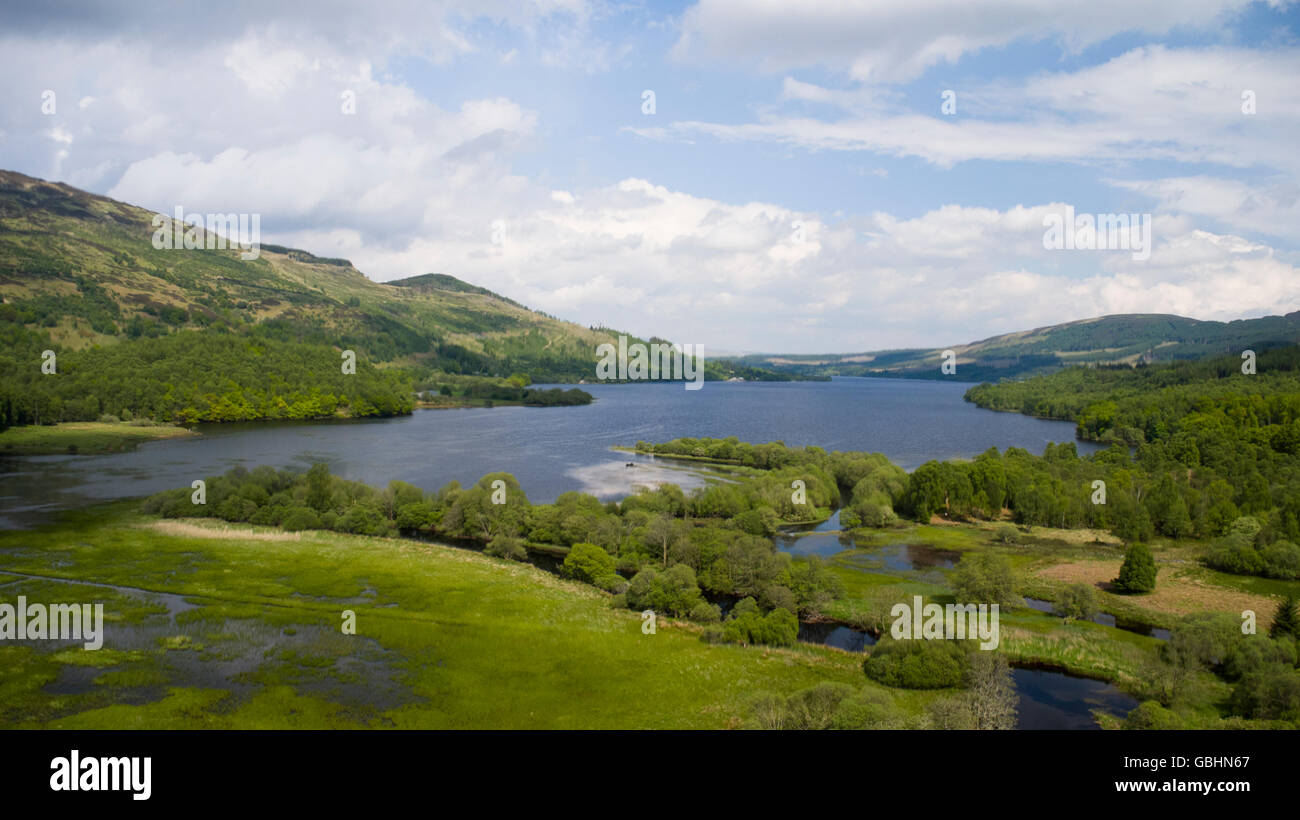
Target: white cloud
[1181, 105]
[252, 123]
[895, 40]
[1271, 208]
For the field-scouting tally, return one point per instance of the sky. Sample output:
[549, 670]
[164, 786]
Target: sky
[746, 175]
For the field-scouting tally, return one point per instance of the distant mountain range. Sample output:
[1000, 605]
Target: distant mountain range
[82, 268]
[1124, 338]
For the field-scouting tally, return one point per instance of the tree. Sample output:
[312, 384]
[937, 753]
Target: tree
[1078, 602]
[663, 531]
[478, 513]
[992, 697]
[985, 578]
[318, 487]
[1287, 619]
[1138, 573]
[588, 562]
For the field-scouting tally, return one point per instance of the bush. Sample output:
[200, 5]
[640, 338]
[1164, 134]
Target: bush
[1236, 554]
[1281, 560]
[1149, 714]
[505, 546]
[827, 706]
[746, 625]
[301, 518]
[673, 591]
[1253, 653]
[612, 583]
[1006, 534]
[1270, 693]
[1078, 602]
[1138, 573]
[587, 562]
[1201, 641]
[985, 578]
[918, 664]
[363, 520]
[705, 612]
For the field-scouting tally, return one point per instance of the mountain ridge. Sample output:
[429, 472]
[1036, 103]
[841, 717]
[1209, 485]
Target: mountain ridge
[1124, 338]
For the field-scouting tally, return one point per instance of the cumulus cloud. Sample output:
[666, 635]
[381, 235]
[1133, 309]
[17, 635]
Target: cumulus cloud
[254, 120]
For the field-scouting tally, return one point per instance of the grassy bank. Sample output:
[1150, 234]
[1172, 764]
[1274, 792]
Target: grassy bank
[84, 437]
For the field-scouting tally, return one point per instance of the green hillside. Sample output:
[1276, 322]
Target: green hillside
[83, 268]
[1119, 339]
[205, 335]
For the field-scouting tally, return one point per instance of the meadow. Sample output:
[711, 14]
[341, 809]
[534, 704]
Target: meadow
[230, 626]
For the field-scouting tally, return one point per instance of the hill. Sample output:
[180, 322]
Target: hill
[212, 334]
[1118, 339]
[83, 267]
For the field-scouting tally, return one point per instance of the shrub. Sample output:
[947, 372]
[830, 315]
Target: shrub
[612, 583]
[301, 518]
[1201, 641]
[986, 578]
[827, 706]
[1253, 653]
[1138, 573]
[674, 590]
[363, 520]
[1235, 553]
[1078, 602]
[918, 664]
[1270, 693]
[505, 546]
[1281, 560]
[1149, 714]
[705, 612]
[747, 625]
[587, 562]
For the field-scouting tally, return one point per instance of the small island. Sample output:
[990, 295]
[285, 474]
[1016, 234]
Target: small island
[480, 394]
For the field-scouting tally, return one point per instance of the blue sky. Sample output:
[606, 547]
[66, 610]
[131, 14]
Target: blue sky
[797, 187]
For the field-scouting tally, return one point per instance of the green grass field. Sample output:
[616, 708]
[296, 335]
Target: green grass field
[83, 437]
[445, 638]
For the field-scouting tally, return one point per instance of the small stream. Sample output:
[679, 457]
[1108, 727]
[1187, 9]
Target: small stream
[1057, 700]
[1106, 619]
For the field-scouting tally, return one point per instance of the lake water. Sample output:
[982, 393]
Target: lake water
[550, 450]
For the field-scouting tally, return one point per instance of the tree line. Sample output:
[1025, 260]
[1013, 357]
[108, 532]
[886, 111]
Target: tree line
[653, 550]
